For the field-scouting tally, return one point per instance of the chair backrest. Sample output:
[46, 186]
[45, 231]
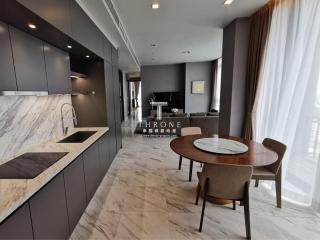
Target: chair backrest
[277, 147]
[226, 181]
[190, 131]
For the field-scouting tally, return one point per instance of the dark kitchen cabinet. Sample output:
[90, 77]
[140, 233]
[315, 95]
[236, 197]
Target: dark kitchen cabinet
[91, 163]
[115, 57]
[107, 50]
[104, 154]
[56, 12]
[112, 143]
[29, 61]
[58, 70]
[109, 94]
[118, 136]
[84, 30]
[18, 225]
[49, 211]
[75, 191]
[7, 75]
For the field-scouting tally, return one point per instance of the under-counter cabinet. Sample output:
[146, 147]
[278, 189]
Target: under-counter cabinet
[18, 225]
[104, 153]
[75, 191]
[58, 70]
[7, 75]
[92, 168]
[48, 210]
[29, 61]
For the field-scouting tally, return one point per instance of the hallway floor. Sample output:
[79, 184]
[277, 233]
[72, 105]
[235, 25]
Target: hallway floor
[144, 196]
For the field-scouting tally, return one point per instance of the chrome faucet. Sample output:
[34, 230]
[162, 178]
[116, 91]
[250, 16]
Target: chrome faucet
[74, 118]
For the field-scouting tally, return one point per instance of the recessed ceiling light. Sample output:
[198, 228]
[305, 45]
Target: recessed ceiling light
[155, 5]
[228, 2]
[186, 52]
[87, 56]
[32, 26]
[69, 46]
[153, 45]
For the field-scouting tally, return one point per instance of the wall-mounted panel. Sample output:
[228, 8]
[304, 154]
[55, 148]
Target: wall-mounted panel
[109, 94]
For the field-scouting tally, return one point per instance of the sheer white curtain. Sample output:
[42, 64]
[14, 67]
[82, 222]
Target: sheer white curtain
[288, 103]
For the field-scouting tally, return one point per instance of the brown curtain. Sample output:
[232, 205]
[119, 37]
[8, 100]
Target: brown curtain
[260, 24]
[213, 102]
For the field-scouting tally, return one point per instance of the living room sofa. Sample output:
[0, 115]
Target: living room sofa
[172, 124]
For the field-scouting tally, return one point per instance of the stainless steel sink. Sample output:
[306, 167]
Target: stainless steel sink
[78, 137]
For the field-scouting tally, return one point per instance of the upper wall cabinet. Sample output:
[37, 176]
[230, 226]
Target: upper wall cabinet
[84, 30]
[56, 12]
[29, 61]
[115, 57]
[7, 76]
[58, 70]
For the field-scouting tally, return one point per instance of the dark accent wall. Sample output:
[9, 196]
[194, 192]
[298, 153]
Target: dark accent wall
[198, 102]
[161, 78]
[233, 80]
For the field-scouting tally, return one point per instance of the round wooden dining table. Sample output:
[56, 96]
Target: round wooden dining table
[257, 155]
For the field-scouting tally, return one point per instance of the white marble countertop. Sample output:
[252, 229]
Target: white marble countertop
[15, 192]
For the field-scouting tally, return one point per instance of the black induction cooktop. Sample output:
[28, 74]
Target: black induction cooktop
[29, 165]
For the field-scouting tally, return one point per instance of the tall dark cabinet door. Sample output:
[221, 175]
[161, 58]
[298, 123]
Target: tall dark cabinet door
[58, 70]
[56, 12]
[110, 94]
[92, 170]
[49, 211]
[18, 225]
[75, 191]
[7, 75]
[29, 61]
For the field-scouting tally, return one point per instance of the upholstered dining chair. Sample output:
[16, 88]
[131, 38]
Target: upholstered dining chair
[225, 182]
[185, 132]
[271, 172]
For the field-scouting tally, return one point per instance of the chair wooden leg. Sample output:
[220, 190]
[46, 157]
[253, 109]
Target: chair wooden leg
[180, 162]
[278, 188]
[198, 193]
[256, 183]
[190, 170]
[204, 202]
[234, 205]
[247, 212]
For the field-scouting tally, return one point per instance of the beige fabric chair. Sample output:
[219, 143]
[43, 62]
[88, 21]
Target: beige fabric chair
[273, 171]
[185, 132]
[226, 182]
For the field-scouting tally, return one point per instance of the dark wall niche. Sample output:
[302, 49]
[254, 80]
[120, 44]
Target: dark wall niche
[89, 96]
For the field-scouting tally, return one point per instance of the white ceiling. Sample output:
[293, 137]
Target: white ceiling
[180, 25]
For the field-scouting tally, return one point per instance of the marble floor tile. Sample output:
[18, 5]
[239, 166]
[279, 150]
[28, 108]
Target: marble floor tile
[144, 196]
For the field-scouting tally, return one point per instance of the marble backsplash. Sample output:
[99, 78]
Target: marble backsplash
[30, 120]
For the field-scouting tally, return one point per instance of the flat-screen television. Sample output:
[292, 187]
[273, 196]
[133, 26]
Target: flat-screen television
[174, 99]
